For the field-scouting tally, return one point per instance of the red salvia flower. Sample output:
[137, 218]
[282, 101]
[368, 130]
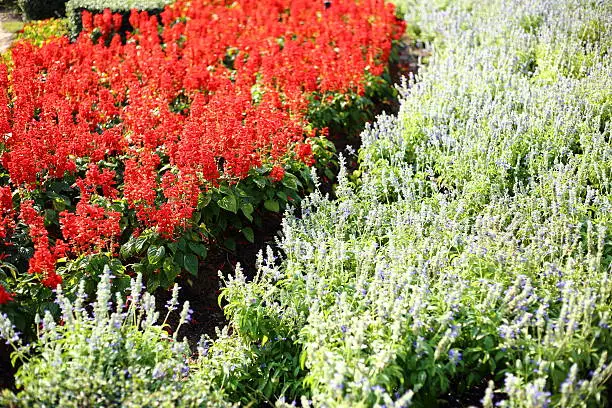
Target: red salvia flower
[203, 98]
[277, 173]
[5, 297]
[91, 228]
[43, 261]
[7, 216]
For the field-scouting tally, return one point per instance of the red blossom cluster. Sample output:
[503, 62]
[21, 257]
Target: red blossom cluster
[5, 297]
[45, 256]
[277, 173]
[7, 217]
[208, 82]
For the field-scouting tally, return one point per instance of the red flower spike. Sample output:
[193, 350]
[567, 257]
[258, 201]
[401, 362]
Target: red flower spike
[5, 296]
[201, 100]
[277, 173]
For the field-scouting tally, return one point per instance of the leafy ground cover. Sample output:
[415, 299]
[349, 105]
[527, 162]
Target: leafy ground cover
[470, 253]
[139, 152]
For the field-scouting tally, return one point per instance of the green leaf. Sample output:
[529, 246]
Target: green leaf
[260, 181]
[181, 244]
[164, 281]
[168, 265]
[303, 356]
[199, 249]
[155, 254]
[152, 284]
[242, 192]
[140, 243]
[126, 249]
[191, 264]
[224, 189]
[51, 215]
[196, 217]
[229, 203]
[59, 186]
[272, 205]
[247, 209]
[290, 181]
[203, 200]
[172, 246]
[282, 195]
[170, 274]
[248, 234]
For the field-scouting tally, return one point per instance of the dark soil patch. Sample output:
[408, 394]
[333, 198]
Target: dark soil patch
[7, 372]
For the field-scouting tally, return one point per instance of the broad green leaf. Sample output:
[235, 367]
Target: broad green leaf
[171, 274]
[260, 181]
[155, 254]
[203, 200]
[229, 203]
[290, 181]
[126, 249]
[272, 205]
[247, 209]
[199, 249]
[168, 264]
[248, 234]
[140, 243]
[191, 263]
[282, 195]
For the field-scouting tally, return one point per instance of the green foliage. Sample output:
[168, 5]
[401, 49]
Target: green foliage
[225, 215]
[266, 335]
[346, 114]
[39, 32]
[42, 9]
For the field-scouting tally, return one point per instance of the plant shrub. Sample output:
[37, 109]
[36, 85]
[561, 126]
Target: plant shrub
[39, 32]
[112, 353]
[42, 9]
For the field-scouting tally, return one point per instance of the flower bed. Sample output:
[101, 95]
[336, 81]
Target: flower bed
[472, 263]
[469, 264]
[141, 152]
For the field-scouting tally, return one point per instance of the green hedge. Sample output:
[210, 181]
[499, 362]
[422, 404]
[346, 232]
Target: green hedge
[75, 8]
[42, 9]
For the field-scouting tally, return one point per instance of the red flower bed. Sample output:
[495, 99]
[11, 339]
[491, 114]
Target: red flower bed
[150, 125]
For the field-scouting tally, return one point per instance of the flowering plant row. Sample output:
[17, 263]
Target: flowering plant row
[472, 266]
[150, 148]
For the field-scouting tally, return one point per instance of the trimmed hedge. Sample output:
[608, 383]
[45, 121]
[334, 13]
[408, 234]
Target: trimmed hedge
[75, 8]
[42, 9]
